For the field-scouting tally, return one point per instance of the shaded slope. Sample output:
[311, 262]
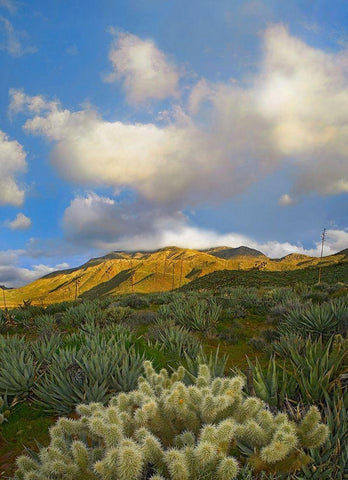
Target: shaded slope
[332, 274]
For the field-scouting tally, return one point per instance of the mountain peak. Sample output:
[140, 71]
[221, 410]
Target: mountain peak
[229, 252]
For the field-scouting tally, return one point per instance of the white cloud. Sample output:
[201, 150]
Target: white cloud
[145, 71]
[336, 241]
[13, 275]
[21, 222]
[285, 199]
[303, 92]
[20, 102]
[12, 162]
[14, 42]
[182, 162]
[227, 137]
[103, 223]
[62, 266]
[96, 221]
[186, 236]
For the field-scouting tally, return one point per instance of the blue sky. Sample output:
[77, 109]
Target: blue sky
[138, 124]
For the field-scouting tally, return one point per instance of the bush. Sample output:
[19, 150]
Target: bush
[79, 314]
[115, 314]
[258, 343]
[45, 324]
[273, 384]
[192, 313]
[175, 341]
[166, 430]
[318, 320]
[141, 318]
[134, 301]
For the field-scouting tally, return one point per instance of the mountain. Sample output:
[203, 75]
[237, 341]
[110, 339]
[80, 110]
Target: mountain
[227, 252]
[161, 270]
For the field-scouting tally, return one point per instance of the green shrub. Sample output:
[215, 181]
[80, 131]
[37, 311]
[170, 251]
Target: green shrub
[316, 367]
[274, 385]
[175, 341]
[18, 373]
[45, 324]
[4, 409]
[192, 313]
[141, 318]
[54, 308]
[134, 301]
[318, 320]
[81, 313]
[258, 343]
[115, 314]
[43, 349]
[214, 361]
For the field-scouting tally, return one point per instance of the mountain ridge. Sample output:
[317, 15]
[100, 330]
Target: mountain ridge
[163, 269]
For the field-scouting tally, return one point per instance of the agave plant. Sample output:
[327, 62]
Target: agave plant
[316, 368]
[215, 362]
[18, 373]
[282, 295]
[2, 320]
[176, 341]
[274, 385]
[90, 373]
[79, 314]
[193, 313]
[128, 369]
[45, 324]
[65, 384]
[284, 343]
[44, 348]
[318, 320]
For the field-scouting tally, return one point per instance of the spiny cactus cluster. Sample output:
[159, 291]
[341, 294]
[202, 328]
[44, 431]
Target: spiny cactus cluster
[166, 430]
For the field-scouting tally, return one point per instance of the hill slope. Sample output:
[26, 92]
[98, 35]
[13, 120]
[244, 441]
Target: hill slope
[164, 269]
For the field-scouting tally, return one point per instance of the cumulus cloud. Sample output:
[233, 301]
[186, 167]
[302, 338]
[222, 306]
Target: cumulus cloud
[14, 275]
[103, 223]
[96, 221]
[223, 139]
[336, 241]
[13, 42]
[21, 222]
[227, 137]
[303, 92]
[12, 162]
[145, 71]
[181, 162]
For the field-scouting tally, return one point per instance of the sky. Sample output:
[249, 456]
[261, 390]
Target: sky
[139, 124]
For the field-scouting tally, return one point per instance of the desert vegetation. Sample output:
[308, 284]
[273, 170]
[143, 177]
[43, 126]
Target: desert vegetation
[230, 382]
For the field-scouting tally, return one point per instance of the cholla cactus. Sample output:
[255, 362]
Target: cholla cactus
[166, 430]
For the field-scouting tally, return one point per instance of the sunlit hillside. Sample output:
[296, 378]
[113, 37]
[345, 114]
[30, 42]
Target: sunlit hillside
[163, 270]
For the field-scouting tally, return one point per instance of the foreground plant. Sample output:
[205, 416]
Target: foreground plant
[166, 430]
